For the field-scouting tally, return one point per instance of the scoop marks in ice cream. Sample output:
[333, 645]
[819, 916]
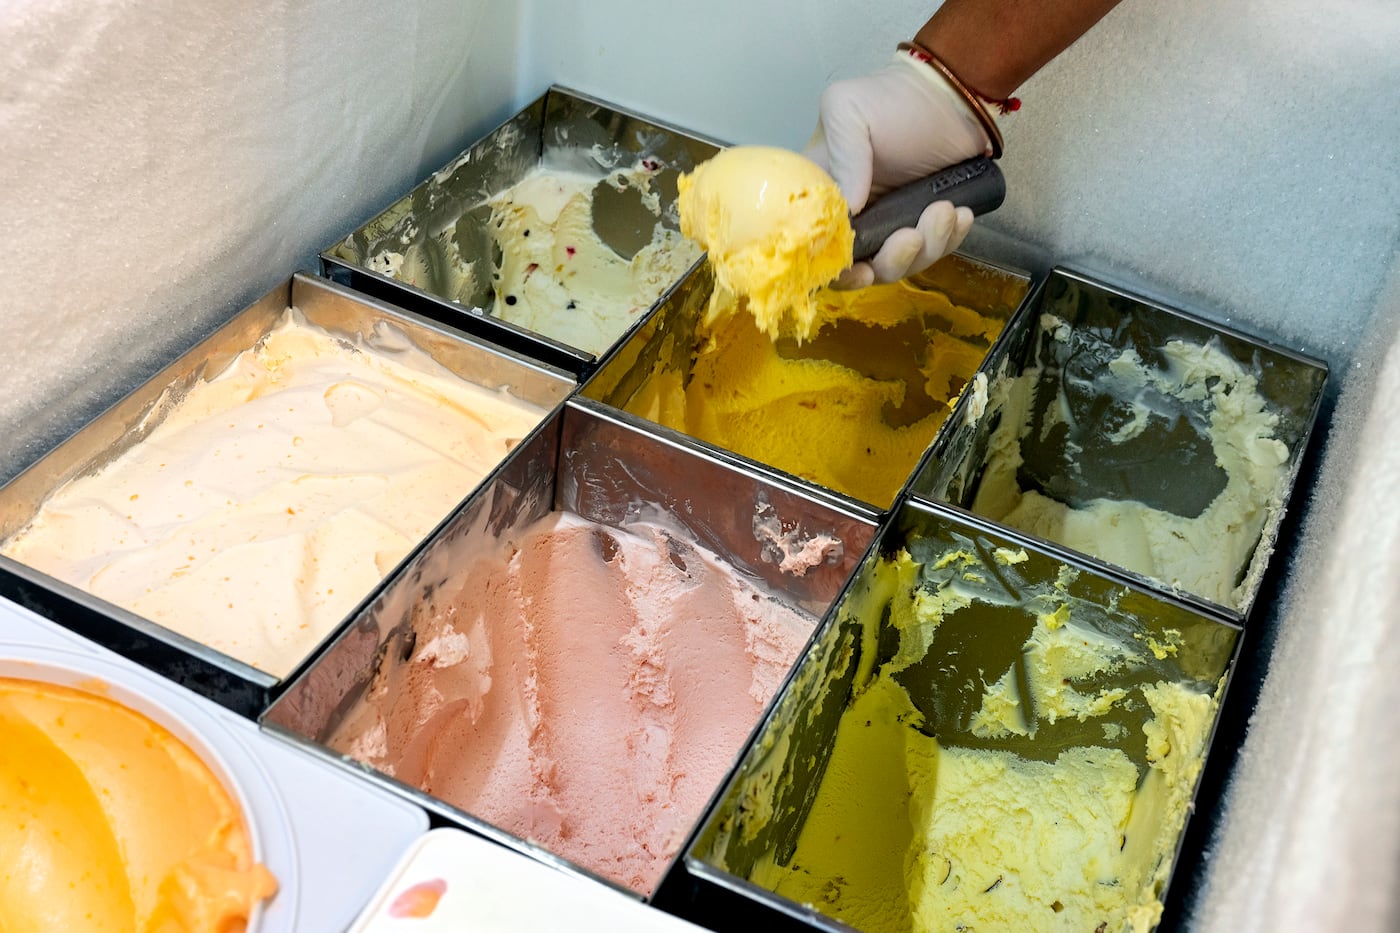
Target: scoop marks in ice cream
[568, 264]
[586, 688]
[1014, 818]
[1208, 553]
[852, 408]
[110, 822]
[776, 228]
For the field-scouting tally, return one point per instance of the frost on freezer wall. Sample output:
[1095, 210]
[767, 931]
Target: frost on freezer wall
[1312, 839]
[164, 163]
[1235, 156]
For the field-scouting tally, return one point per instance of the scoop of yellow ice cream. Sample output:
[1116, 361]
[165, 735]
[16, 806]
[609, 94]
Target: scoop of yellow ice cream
[109, 822]
[776, 228]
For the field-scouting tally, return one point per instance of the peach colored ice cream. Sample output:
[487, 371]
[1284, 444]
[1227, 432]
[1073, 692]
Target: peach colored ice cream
[277, 493]
[110, 822]
[586, 688]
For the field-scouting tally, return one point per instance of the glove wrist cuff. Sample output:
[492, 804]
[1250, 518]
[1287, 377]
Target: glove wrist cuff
[976, 104]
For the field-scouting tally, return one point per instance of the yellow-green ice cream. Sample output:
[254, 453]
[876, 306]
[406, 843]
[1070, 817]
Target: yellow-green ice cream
[930, 816]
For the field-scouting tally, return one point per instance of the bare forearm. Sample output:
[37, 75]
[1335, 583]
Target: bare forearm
[995, 45]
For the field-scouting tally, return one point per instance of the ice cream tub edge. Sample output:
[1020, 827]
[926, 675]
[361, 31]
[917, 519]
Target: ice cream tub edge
[443, 249]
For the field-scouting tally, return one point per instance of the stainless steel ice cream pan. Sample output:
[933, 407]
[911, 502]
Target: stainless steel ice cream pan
[407, 696]
[437, 249]
[985, 733]
[1136, 433]
[352, 320]
[852, 409]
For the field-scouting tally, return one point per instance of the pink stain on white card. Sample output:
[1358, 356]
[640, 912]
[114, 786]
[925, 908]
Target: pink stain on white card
[419, 900]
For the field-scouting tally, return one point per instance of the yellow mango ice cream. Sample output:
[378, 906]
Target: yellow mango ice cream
[776, 228]
[1002, 748]
[852, 408]
[109, 822]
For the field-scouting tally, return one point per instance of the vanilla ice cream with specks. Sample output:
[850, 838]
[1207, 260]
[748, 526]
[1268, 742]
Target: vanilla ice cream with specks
[277, 493]
[558, 278]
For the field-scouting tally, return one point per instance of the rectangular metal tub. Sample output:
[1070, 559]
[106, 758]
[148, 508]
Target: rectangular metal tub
[608, 472]
[203, 669]
[440, 227]
[1009, 585]
[852, 410]
[1094, 446]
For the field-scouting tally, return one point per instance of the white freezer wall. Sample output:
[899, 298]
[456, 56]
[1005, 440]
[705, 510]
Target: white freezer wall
[163, 163]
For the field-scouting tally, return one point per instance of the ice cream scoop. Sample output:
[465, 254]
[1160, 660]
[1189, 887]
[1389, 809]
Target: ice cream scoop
[977, 184]
[776, 226]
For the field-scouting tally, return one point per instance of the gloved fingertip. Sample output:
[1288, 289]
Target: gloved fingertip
[937, 221]
[960, 229]
[857, 276]
[853, 180]
[895, 257]
[965, 217]
[941, 230]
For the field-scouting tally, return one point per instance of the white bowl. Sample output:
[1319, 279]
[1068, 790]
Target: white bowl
[202, 733]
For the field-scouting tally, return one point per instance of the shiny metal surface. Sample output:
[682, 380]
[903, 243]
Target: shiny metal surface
[604, 469]
[709, 884]
[612, 469]
[441, 225]
[1170, 467]
[325, 304]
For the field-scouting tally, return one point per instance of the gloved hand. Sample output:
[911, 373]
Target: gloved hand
[883, 130]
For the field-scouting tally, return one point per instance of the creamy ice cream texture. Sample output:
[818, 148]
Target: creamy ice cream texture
[852, 408]
[109, 822]
[935, 810]
[554, 274]
[582, 686]
[1207, 553]
[775, 227]
[278, 492]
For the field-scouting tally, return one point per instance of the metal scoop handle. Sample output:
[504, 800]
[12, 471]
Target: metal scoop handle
[976, 183]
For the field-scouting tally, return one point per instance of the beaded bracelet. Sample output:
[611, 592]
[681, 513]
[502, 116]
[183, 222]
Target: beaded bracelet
[974, 100]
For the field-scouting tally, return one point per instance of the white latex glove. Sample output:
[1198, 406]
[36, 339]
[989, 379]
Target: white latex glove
[883, 130]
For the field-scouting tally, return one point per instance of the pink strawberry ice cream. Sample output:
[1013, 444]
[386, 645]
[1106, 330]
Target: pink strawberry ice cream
[585, 687]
